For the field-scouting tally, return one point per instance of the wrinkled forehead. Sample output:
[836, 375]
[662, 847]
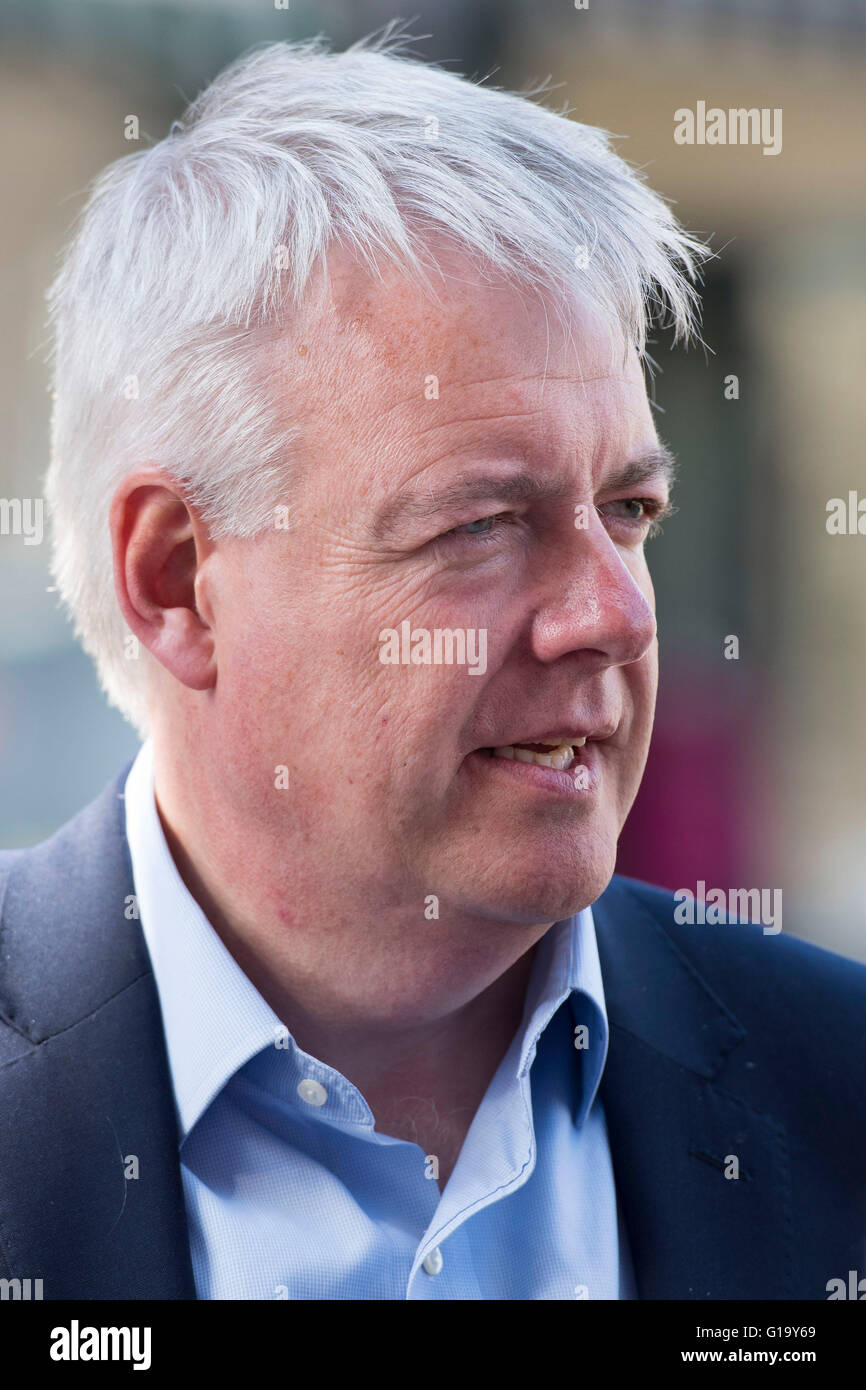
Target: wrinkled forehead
[390, 382]
[469, 320]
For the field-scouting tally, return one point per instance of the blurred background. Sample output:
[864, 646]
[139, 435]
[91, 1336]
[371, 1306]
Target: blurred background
[758, 770]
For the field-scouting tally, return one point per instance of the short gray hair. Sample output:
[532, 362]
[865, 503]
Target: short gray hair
[188, 254]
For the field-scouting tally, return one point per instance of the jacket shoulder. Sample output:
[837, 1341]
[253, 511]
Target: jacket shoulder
[66, 942]
[732, 945]
[803, 1007]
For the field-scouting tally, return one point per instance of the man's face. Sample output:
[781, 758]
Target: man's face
[392, 787]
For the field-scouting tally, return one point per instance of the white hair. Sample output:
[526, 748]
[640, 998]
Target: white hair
[189, 254]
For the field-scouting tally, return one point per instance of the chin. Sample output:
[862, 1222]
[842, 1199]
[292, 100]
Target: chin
[550, 895]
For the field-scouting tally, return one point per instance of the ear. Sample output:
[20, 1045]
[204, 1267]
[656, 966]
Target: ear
[160, 547]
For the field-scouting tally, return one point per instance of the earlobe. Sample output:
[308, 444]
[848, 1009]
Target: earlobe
[160, 546]
[184, 646]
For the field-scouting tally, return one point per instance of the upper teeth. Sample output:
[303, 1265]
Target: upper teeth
[560, 757]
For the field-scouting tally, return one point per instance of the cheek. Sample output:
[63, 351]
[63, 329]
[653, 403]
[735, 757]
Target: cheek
[261, 667]
[254, 667]
[647, 682]
[641, 682]
[639, 570]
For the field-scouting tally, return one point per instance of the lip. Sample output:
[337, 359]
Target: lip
[545, 779]
[595, 734]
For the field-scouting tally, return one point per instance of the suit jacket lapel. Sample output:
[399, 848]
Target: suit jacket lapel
[694, 1232]
[91, 1199]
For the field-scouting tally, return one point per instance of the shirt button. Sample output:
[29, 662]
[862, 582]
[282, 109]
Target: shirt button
[312, 1092]
[433, 1262]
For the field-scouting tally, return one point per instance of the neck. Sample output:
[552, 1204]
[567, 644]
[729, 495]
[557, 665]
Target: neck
[417, 1014]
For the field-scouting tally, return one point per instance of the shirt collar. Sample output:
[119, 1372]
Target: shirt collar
[567, 966]
[215, 1020]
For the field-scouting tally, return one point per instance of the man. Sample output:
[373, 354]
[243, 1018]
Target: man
[333, 995]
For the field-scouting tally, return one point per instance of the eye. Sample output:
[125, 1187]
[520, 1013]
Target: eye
[638, 513]
[487, 525]
[637, 506]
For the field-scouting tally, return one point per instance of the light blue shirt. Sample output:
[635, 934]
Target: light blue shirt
[290, 1190]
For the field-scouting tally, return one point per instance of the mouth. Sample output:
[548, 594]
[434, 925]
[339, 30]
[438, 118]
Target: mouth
[564, 765]
[555, 753]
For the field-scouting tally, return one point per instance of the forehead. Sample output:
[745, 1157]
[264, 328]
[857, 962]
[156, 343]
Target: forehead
[376, 362]
[466, 313]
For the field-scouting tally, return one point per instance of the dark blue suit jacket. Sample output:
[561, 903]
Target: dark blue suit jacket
[722, 1041]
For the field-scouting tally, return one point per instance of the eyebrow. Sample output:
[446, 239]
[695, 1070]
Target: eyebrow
[516, 487]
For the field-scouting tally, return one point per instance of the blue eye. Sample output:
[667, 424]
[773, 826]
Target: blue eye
[641, 516]
[637, 502]
[639, 505]
[467, 531]
[637, 512]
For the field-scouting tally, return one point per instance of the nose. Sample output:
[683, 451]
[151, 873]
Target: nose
[592, 603]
